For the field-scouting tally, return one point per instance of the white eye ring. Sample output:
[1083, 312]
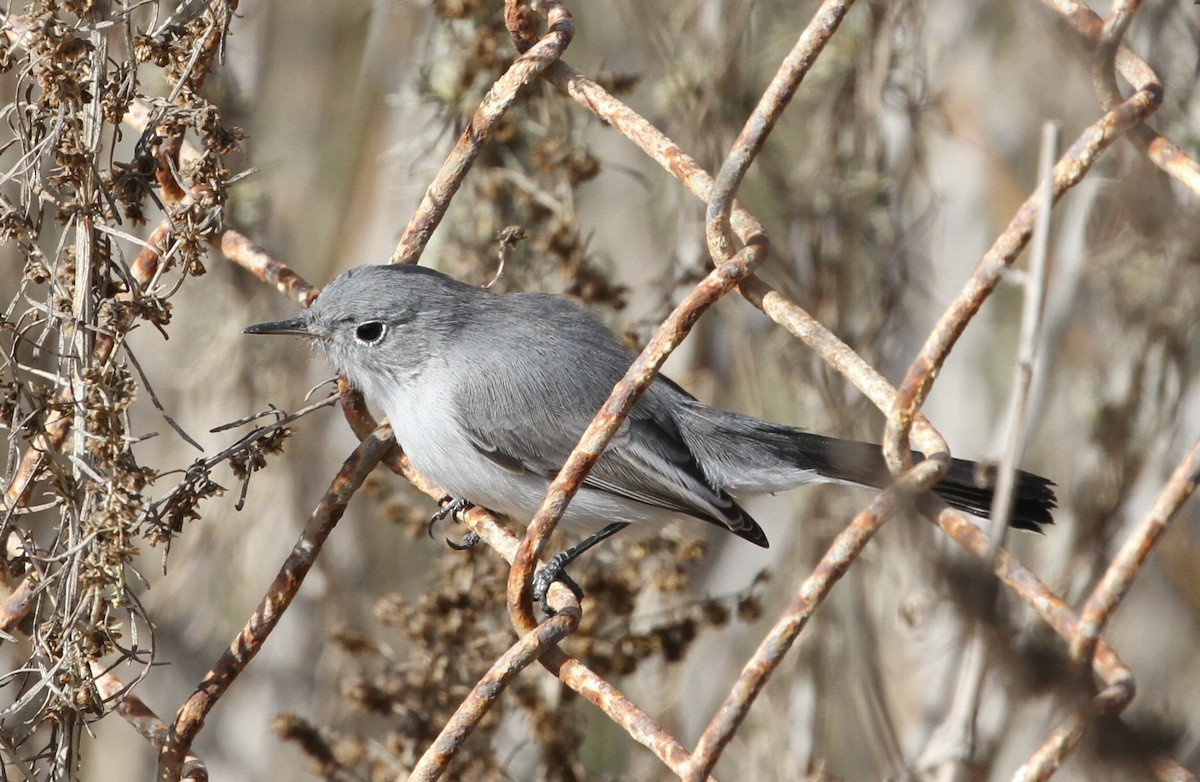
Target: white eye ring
[370, 332]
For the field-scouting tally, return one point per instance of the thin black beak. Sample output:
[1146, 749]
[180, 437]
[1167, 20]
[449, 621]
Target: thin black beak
[296, 326]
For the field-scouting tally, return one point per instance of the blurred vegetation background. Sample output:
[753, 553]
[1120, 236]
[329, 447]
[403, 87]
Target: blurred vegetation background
[904, 153]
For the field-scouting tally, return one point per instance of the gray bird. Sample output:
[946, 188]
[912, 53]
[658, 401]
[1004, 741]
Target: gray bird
[488, 394]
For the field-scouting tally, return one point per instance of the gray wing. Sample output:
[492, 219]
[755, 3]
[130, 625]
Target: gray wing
[527, 412]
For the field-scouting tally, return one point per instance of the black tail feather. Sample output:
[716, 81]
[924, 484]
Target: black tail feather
[752, 456]
[968, 486]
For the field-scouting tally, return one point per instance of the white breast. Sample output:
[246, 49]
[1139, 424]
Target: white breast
[428, 432]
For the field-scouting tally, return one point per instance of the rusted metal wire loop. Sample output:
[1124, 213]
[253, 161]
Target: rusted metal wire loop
[762, 121]
[521, 21]
[499, 98]
[620, 709]
[1104, 59]
[1161, 151]
[190, 718]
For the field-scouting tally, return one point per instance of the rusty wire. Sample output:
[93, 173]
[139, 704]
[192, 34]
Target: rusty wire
[1099, 606]
[520, 655]
[192, 714]
[733, 270]
[1161, 151]
[761, 122]
[798, 322]
[827, 345]
[1068, 172]
[634, 720]
[579, 677]
[143, 719]
[533, 60]
[1132, 556]
[1071, 170]
[672, 158]
[245, 253]
[840, 555]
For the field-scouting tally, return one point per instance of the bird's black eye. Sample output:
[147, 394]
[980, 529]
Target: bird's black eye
[370, 332]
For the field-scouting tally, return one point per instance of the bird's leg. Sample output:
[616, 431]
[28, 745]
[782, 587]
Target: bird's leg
[448, 506]
[554, 569]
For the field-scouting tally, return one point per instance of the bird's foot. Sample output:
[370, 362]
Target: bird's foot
[448, 506]
[544, 577]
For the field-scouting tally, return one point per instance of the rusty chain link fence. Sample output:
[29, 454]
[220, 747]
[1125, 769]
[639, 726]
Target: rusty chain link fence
[993, 205]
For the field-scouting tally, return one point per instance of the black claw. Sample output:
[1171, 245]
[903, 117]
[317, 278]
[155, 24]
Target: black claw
[448, 506]
[553, 571]
[468, 541]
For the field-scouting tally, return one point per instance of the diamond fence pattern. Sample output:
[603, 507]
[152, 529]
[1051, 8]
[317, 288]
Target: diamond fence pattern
[60, 584]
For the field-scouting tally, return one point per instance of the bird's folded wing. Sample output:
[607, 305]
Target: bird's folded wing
[646, 461]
